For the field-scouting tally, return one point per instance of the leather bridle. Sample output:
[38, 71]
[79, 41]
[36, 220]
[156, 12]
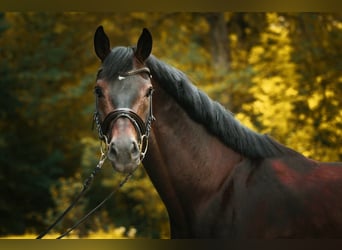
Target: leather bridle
[142, 128]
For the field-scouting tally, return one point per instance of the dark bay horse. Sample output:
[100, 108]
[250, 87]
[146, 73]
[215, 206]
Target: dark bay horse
[216, 177]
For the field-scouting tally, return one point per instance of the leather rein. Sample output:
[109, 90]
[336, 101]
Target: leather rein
[143, 131]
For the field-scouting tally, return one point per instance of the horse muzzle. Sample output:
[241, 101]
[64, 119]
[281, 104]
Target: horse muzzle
[124, 154]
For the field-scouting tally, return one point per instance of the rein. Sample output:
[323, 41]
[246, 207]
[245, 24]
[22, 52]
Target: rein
[143, 131]
[86, 185]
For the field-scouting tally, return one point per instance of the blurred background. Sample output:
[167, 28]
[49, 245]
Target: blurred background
[280, 73]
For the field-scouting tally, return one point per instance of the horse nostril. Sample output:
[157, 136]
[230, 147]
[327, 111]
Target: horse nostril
[113, 149]
[134, 149]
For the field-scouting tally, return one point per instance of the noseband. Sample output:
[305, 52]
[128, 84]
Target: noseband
[142, 128]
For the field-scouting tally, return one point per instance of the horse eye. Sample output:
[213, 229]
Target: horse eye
[146, 75]
[149, 92]
[98, 91]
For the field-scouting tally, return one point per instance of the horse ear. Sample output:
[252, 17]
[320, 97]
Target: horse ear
[101, 43]
[144, 46]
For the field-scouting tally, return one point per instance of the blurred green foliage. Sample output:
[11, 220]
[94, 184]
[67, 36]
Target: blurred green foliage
[280, 73]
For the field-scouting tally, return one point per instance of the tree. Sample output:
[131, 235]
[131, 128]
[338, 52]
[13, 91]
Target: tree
[316, 41]
[41, 142]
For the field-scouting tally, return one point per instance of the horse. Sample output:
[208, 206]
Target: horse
[216, 177]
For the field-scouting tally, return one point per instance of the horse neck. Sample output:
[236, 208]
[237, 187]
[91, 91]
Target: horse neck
[186, 164]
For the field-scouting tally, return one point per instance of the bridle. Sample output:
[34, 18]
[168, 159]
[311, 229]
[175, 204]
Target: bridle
[142, 128]
[143, 131]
